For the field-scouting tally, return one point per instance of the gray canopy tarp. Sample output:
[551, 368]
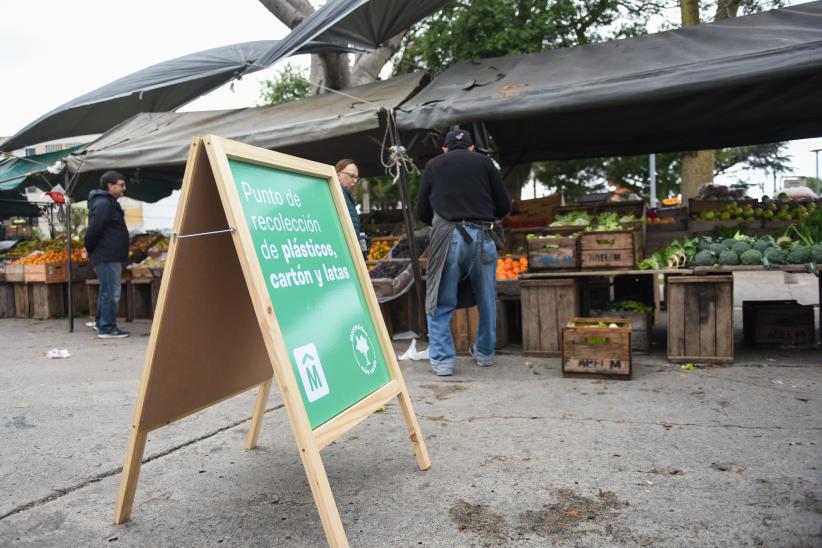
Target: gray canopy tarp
[151, 148]
[735, 82]
[161, 87]
[360, 23]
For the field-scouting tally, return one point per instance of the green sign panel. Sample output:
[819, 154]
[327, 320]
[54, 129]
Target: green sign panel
[307, 267]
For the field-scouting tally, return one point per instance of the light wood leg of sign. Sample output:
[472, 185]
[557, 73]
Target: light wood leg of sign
[131, 473]
[257, 417]
[414, 432]
[323, 497]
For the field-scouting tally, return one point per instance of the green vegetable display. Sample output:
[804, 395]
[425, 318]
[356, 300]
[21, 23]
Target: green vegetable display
[676, 255]
[572, 218]
[630, 306]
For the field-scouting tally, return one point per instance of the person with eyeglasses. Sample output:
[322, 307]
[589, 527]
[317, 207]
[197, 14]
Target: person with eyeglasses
[349, 175]
[106, 240]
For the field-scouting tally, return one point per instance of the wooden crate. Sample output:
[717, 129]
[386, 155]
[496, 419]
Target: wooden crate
[563, 253]
[390, 240]
[79, 296]
[16, 273]
[387, 287]
[124, 310]
[464, 324]
[46, 273]
[141, 272]
[700, 319]
[22, 300]
[547, 305]
[597, 350]
[640, 329]
[47, 300]
[533, 213]
[81, 272]
[6, 300]
[140, 298]
[619, 249]
[778, 323]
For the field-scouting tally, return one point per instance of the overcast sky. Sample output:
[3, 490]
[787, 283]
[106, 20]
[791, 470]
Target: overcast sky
[54, 51]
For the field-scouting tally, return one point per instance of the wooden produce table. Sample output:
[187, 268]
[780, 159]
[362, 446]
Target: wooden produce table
[126, 306]
[551, 299]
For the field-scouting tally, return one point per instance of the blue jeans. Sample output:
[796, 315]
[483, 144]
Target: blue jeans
[478, 261]
[109, 299]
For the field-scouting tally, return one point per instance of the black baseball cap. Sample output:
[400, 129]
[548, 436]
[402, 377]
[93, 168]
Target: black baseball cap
[458, 138]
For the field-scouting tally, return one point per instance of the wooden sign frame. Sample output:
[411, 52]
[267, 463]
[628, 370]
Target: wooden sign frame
[197, 358]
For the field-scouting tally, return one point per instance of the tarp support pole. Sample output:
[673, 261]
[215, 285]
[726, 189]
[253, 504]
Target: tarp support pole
[652, 172]
[409, 229]
[69, 293]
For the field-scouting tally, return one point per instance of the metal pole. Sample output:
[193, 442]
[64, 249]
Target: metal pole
[69, 293]
[652, 172]
[816, 151]
[409, 229]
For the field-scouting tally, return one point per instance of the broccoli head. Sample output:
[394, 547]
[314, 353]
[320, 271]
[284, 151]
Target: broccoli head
[704, 258]
[816, 253]
[728, 258]
[741, 247]
[751, 257]
[728, 243]
[762, 245]
[775, 255]
[717, 248]
[799, 255]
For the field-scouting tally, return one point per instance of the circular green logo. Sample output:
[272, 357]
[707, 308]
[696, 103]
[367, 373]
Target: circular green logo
[364, 352]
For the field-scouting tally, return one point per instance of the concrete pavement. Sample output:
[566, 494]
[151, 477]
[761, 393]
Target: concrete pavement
[724, 456]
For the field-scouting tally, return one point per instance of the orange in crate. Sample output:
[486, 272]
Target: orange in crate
[509, 267]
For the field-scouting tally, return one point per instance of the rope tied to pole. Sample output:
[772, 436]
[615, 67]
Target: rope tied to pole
[397, 155]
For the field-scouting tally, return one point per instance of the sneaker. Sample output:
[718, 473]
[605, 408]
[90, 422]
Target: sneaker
[92, 325]
[483, 363]
[116, 334]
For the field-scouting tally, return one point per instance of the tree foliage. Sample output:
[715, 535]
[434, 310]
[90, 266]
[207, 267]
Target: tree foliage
[290, 84]
[491, 28]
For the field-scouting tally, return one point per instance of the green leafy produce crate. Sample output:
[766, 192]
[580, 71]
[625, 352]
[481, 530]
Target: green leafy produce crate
[598, 346]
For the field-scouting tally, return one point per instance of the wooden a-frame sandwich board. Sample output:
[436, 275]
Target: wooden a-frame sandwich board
[265, 266]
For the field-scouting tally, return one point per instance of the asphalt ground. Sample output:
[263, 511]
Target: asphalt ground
[717, 456]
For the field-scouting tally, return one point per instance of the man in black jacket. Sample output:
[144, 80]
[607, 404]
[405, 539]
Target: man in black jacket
[107, 242]
[462, 197]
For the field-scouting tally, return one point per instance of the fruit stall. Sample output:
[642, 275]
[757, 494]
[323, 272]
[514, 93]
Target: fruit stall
[34, 278]
[608, 260]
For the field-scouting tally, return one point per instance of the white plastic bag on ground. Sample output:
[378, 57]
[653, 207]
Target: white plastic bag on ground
[58, 353]
[413, 354]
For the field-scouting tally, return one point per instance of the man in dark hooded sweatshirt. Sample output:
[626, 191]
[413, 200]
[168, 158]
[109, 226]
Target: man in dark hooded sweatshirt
[107, 242]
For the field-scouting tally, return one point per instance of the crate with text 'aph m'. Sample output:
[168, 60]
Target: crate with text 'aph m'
[589, 348]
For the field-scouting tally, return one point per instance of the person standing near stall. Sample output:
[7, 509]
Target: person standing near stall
[462, 197]
[349, 175]
[106, 241]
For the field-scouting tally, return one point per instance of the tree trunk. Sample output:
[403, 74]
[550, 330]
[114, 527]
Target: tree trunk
[367, 67]
[333, 70]
[513, 177]
[697, 167]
